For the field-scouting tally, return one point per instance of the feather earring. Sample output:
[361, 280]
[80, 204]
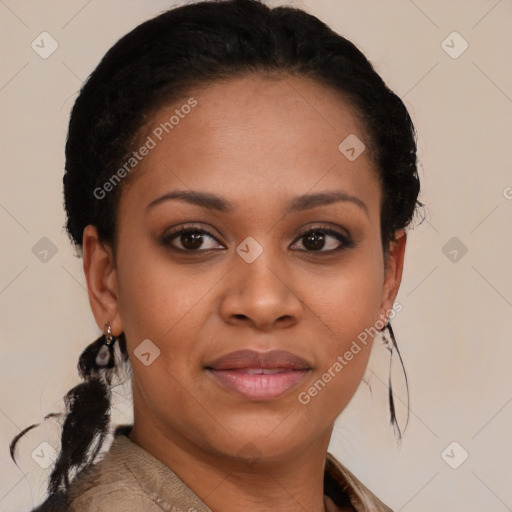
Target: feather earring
[105, 355]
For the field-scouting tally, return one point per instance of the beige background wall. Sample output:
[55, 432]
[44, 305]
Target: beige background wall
[454, 330]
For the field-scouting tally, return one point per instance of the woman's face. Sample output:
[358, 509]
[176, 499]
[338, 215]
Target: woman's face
[250, 318]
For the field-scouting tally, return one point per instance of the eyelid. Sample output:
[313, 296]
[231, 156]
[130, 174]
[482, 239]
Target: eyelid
[327, 228]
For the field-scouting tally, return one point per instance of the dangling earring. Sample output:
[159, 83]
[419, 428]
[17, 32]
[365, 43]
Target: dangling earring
[387, 340]
[105, 356]
[391, 345]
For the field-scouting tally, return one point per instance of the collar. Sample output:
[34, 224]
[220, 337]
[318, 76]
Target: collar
[128, 462]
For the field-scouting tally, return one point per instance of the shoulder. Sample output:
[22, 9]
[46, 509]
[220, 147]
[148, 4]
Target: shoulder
[343, 482]
[112, 484]
[129, 479]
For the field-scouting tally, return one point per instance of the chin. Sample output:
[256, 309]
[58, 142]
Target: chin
[267, 438]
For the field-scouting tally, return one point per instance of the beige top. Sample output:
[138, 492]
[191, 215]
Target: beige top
[130, 479]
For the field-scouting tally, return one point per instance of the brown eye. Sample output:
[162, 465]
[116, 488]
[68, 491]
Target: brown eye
[314, 240]
[324, 240]
[190, 240]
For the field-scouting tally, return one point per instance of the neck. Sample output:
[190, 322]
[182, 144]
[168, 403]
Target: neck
[288, 483]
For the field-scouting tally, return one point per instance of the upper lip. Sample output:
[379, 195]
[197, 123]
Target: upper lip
[252, 359]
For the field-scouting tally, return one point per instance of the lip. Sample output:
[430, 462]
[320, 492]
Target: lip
[259, 375]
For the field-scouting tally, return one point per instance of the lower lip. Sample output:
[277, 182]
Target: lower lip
[259, 386]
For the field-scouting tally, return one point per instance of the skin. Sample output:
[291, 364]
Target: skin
[258, 143]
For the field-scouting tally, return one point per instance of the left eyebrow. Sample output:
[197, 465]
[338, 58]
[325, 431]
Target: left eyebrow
[325, 198]
[300, 203]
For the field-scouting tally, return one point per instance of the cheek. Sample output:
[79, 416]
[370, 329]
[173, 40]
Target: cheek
[155, 300]
[344, 351]
[169, 307]
[162, 305]
[346, 309]
[348, 301]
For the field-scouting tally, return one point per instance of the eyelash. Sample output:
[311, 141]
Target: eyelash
[345, 241]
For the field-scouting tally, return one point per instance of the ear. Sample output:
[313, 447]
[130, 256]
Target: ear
[393, 272]
[100, 274]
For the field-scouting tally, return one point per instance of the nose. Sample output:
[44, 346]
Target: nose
[260, 295]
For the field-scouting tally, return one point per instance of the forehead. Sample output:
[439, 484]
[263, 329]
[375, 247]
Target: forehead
[253, 134]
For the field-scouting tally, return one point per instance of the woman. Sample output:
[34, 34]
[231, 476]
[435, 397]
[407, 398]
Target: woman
[239, 179]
